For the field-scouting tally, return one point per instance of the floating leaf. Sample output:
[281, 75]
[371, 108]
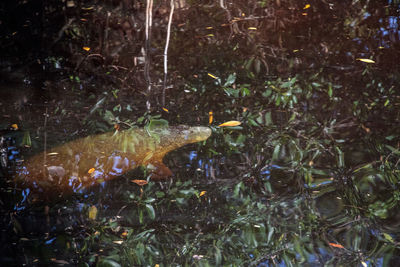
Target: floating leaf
[91, 170]
[119, 242]
[210, 117]
[202, 193]
[230, 123]
[88, 8]
[166, 110]
[307, 6]
[140, 182]
[212, 76]
[14, 126]
[252, 28]
[92, 212]
[366, 60]
[336, 245]
[86, 48]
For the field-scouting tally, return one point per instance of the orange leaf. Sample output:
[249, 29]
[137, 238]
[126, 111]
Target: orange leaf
[210, 117]
[336, 245]
[230, 123]
[14, 126]
[86, 48]
[140, 182]
[202, 193]
[91, 170]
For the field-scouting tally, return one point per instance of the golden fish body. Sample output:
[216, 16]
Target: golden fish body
[94, 159]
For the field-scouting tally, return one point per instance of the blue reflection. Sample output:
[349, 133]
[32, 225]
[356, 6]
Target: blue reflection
[25, 194]
[266, 172]
[48, 242]
[192, 155]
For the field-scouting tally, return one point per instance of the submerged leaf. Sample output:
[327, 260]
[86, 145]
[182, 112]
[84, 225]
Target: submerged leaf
[92, 212]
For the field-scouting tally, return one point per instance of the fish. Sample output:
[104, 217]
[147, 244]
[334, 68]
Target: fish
[94, 159]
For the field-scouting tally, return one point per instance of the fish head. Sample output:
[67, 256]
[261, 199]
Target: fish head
[194, 134]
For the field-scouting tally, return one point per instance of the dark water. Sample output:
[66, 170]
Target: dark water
[310, 178]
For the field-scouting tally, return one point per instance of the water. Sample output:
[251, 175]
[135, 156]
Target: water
[310, 177]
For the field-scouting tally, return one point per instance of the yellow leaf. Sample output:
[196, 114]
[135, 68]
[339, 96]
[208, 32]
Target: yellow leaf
[252, 28]
[140, 182]
[91, 170]
[210, 117]
[307, 6]
[230, 123]
[86, 48]
[366, 60]
[14, 126]
[92, 212]
[212, 76]
[157, 265]
[166, 110]
[202, 193]
[209, 28]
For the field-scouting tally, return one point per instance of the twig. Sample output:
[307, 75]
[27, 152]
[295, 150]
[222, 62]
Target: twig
[166, 52]
[149, 12]
[45, 142]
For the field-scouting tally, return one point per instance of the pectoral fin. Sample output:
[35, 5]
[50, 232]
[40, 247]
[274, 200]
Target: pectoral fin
[160, 171]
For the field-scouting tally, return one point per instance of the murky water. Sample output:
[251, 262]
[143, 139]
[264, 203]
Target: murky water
[310, 178]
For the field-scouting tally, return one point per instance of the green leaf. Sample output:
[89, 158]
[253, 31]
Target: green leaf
[388, 237]
[267, 93]
[151, 211]
[107, 263]
[230, 80]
